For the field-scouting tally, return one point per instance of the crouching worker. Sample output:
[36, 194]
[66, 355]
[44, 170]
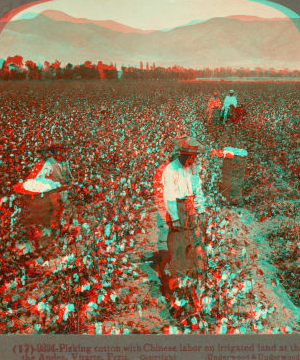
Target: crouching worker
[185, 210]
[44, 193]
[61, 173]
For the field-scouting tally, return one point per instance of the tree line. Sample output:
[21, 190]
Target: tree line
[15, 68]
[180, 73]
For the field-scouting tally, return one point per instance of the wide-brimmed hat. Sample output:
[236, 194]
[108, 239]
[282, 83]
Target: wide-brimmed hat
[187, 145]
[215, 93]
[231, 92]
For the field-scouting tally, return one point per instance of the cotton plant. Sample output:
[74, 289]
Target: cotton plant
[72, 117]
[227, 288]
[85, 287]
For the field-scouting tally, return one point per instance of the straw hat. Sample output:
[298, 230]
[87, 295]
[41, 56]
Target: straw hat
[188, 145]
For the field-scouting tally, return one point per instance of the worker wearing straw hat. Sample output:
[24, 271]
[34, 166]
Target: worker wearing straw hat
[185, 208]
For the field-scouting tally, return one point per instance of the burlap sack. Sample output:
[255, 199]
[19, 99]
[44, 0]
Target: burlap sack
[233, 171]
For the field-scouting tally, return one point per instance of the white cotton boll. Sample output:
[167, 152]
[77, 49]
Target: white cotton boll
[107, 229]
[86, 227]
[3, 200]
[247, 286]
[224, 276]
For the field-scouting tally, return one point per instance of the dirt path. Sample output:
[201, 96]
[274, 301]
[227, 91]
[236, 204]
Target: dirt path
[251, 234]
[151, 314]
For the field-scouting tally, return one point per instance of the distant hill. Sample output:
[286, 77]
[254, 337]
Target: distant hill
[193, 22]
[255, 18]
[108, 24]
[212, 43]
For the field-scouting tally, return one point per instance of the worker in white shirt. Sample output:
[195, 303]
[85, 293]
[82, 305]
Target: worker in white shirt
[229, 100]
[162, 257]
[185, 210]
[213, 104]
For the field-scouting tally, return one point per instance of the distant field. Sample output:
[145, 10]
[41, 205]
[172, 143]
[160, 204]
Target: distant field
[245, 80]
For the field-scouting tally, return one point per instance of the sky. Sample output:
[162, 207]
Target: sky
[158, 14]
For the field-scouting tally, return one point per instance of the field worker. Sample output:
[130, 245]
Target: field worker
[185, 210]
[229, 100]
[161, 259]
[43, 195]
[214, 102]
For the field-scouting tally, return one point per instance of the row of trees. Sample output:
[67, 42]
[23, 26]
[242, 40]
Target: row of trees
[192, 74]
[180, 73]
[14, 68]
[173, 73]
[223, 72]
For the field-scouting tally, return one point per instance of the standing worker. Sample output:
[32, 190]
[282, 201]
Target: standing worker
[185, 210]
[162, 258]
[214, 104]
[229, 100]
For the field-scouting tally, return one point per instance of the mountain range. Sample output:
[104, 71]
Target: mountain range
[113, 25]
[241, 41]
[108, 24]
